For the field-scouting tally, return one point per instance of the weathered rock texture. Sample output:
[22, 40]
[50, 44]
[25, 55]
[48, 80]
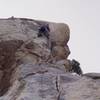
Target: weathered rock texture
[35, 66]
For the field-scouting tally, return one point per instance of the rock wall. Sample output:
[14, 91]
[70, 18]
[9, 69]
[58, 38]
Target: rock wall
[34, 63]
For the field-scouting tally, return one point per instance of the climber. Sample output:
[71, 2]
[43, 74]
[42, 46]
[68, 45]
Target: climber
[44, 31]
[12, 17]
[76, 67]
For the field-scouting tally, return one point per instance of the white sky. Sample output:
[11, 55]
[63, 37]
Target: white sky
[82, 16]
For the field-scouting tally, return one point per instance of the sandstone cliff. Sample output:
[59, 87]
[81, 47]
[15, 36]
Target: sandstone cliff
[34, 63]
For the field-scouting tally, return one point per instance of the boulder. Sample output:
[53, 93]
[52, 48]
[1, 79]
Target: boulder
[59, 33]
[34, 63]
[60, 52]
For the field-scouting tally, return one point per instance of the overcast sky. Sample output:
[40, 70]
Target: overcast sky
[82, 16]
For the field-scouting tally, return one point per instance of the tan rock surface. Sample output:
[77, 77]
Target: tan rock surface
[59, 33]
[60, 52]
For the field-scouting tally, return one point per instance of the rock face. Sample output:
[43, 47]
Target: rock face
[34, 63]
